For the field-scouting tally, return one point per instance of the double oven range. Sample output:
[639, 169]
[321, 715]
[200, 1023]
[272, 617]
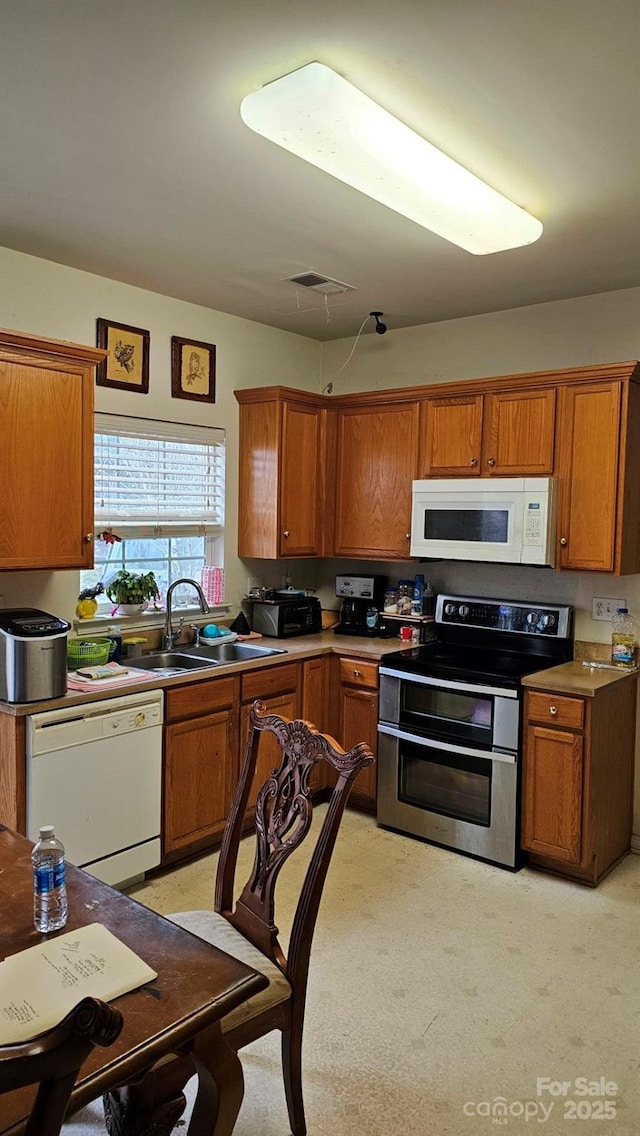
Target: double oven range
[450, 729]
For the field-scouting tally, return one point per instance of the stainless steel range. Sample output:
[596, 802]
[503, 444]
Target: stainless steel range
[449, 744]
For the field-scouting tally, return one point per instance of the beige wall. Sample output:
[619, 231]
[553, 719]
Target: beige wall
[591, 329]
[48, 299]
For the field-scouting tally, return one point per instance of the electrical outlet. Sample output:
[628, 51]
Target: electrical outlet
[605, 608]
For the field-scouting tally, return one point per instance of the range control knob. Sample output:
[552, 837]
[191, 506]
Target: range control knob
[548, 621]
[533, 617]
[463, 611]
[449, 609]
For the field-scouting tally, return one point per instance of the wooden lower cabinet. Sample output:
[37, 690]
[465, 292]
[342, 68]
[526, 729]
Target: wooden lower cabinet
[200, 764]
[358, 721]
[578, 779]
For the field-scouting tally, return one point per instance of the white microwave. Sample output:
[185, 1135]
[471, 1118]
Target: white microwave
[509, 520]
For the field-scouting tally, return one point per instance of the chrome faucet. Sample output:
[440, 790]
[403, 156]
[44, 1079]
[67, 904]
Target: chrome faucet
[170, 635]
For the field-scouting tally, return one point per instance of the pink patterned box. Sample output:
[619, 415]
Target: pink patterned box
[212, 584]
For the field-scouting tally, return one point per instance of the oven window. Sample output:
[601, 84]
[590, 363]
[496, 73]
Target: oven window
[454, 785]
[447, 713]
[487, 526]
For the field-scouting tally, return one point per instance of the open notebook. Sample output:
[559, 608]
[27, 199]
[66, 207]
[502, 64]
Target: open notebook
[39, 986]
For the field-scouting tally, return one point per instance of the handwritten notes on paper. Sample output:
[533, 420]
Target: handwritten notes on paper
[39, 986]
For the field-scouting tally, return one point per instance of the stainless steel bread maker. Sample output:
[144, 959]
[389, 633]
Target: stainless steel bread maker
[33, 655]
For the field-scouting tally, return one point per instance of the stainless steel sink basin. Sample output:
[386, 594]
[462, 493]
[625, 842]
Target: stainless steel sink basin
[168, 663]
[172, 662]
[234, 652]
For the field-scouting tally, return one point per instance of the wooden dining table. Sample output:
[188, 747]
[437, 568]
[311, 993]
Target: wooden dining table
[179, 1012]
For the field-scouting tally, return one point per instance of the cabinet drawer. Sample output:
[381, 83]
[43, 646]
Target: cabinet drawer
[355, 672]
[555, 709]
[200, 698]
[268, 681]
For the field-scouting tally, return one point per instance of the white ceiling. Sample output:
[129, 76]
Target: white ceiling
[123, 153]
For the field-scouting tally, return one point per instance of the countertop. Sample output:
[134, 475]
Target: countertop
[301, 647]
[570, 678]
[574, 678]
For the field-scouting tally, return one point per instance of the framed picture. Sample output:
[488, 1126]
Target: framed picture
[127, 364]
[193, 369]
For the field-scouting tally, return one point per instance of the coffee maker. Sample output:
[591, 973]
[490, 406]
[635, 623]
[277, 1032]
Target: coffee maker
[362, 599]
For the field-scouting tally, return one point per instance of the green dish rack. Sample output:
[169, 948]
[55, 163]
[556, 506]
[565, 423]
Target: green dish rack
[87, 652]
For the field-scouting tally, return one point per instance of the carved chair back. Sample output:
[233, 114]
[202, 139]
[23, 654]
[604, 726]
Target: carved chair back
[282, 821]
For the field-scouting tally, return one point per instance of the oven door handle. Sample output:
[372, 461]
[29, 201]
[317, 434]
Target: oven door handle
[463, 751]
[447, 684]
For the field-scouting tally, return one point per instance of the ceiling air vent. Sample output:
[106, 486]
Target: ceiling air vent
[321, 283]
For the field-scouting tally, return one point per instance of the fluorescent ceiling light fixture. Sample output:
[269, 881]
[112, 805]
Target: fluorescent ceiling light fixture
[317, 115]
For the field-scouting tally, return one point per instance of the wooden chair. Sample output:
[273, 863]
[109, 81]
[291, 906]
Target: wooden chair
[52, 1062]
[282, 820]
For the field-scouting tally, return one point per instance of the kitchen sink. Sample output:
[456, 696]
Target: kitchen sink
[169, 663]
[172, 662]
[234, 652]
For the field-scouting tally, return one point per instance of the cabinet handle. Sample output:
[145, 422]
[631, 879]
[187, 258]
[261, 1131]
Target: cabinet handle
[357, 674]
[407, 536]
[563, 541]
[88, 537]
[492, 461]
[286, 532]
[474, 461]
[553, 710]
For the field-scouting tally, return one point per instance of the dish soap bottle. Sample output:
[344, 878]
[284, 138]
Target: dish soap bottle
[623, 639]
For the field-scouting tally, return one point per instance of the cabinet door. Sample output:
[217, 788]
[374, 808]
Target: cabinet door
[518, 433]
[359, 723]
[377, 461]
[301, 481]
[281, 478]
[314, 708]
[46, 464]
[269, 752]
[200, 773]
[452, 434]
[589, 420]
[553, 794]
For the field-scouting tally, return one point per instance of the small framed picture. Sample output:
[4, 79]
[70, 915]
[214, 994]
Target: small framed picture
[193, 369]
[127, 364]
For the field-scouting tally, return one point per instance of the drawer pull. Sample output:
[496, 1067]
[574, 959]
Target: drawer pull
[553, 709]
[474, 461]
[357, 674]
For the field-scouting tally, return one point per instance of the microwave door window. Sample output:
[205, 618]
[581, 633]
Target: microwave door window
[482, 526]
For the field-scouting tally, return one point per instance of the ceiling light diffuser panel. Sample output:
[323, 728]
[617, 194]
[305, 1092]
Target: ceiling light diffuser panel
[317, 115]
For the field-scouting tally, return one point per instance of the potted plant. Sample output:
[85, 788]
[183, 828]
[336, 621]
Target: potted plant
[131, 591]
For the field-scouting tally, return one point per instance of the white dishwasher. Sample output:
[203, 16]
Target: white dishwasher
[95, 772]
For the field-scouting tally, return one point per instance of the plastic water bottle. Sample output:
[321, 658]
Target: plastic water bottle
[623, 639]
[49, 885]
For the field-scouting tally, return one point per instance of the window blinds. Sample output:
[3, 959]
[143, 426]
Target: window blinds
[158, 479]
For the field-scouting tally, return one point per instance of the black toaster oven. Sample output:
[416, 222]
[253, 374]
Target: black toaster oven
[283, 618]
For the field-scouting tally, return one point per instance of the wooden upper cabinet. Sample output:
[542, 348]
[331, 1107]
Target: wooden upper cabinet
[452, 433]
[46, 457]
[504, 434]
[518, 433]
[377, 460]
[588, 461]
[316, 470]
[281, 474]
